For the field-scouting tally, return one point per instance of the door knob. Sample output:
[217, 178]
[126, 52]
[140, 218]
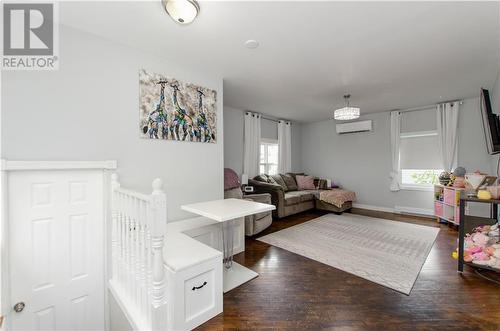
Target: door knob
[18, 307]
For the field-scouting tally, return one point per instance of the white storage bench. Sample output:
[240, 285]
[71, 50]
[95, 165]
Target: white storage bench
[194, 281]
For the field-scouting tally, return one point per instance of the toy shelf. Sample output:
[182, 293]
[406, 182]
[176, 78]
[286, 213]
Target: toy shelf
[447, 204]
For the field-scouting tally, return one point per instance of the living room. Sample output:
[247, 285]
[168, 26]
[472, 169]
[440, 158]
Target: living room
[250, 165]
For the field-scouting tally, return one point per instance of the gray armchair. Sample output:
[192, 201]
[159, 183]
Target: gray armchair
[253, 223]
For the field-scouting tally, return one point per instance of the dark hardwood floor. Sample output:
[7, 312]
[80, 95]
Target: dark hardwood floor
[295, 293]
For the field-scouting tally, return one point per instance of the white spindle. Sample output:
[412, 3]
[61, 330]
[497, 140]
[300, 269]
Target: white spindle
[138, 234]
[114, 226]
[142, 271]
[158, 231]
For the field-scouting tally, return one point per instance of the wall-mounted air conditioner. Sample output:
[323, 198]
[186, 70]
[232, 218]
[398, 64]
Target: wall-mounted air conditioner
[351, 127]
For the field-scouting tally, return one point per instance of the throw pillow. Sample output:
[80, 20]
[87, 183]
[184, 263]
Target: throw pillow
[305, 182]
[322, 184]
[294, 174]
[290, 182]
[231, 179]
[279, 181]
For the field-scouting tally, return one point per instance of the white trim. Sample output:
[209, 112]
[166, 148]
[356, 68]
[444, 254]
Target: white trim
[269, 141]
[418, 134]
[409, 187]
[396, 209]
[127, 308]
[412, 210]
[371, 207]
[7, 165]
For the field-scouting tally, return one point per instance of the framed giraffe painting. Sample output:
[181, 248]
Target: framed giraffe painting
[174, 110]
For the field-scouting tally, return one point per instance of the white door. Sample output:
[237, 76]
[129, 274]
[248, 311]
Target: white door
[56, 225]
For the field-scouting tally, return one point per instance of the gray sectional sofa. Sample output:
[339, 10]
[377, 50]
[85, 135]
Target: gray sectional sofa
[287, 198]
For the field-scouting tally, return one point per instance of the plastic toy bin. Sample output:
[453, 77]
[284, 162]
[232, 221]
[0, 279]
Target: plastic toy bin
[449, 197]
[438, 209]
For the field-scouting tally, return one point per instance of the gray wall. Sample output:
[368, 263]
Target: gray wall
[234, 123]
[89, 110]
[362, 161]
[233, 139]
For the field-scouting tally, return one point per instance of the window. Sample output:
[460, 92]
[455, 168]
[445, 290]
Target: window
[419, 160]
[268, 157]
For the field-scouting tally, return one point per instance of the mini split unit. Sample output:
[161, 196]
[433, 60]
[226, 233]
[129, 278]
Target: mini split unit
[352, 127]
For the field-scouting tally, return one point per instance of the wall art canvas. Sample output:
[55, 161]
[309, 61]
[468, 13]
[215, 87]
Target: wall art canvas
[173, 110]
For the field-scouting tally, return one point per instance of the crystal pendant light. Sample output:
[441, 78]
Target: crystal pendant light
[346, 113]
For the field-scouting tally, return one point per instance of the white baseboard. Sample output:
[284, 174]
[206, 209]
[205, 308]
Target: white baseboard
[412, 210]
[396, 209]
[371, 207]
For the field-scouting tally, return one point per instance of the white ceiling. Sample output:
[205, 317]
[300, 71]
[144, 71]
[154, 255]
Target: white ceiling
[388, 55]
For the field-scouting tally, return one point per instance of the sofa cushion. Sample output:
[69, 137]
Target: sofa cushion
[295, 197]
[262, 198]
[306, 196]
[292, 198]
[315, 193]
[234, 193]
[279, 181]
[261, 178]
[290, 182]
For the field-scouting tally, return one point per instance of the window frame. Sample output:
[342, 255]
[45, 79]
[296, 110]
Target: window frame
[266, 142]
[415, 187]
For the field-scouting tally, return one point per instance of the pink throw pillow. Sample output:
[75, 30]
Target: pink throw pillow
[305, 182]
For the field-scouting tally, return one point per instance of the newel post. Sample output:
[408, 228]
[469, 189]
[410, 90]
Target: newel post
[115, 227]
[158, 231]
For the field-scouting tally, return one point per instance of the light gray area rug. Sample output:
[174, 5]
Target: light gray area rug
[389, 253]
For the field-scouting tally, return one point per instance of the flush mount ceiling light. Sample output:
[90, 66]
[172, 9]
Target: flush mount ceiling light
[346, 113]
[181, 11]
[251, 44]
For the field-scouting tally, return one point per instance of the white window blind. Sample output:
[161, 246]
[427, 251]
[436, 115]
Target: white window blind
[419, 151]
[419, 160]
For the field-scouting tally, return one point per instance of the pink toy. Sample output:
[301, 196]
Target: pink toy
[474, 250]
[481, 256]
[480, 239]
[489, 250]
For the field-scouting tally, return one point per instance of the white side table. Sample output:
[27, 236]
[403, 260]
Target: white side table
[226, 211]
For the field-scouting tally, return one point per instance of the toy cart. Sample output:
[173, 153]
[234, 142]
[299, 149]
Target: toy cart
[469, 223]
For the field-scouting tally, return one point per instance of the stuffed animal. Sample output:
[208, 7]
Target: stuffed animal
[482, 246]
[494, 262]
[480, 256]
[480, 239]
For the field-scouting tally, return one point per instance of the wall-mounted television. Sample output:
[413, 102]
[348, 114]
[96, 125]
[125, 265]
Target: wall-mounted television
[491, 123]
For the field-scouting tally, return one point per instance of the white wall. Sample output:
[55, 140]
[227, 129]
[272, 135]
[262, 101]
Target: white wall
[234, 124]
[89, 110]
[362, 162]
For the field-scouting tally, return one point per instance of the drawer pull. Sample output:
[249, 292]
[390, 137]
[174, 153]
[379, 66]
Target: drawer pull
[198, 287]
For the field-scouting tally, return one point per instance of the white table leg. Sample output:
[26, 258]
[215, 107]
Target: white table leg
[234, 273]
[228, 243]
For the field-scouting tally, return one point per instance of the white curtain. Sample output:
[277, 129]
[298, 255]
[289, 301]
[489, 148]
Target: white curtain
[395, 140]
[284, 147]
[447, 127]
[251, 156]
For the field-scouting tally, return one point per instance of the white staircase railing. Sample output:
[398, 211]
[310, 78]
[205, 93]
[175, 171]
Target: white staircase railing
[138, 279]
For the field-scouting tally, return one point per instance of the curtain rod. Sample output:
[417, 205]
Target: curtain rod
[269, 118]
[409, 110]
